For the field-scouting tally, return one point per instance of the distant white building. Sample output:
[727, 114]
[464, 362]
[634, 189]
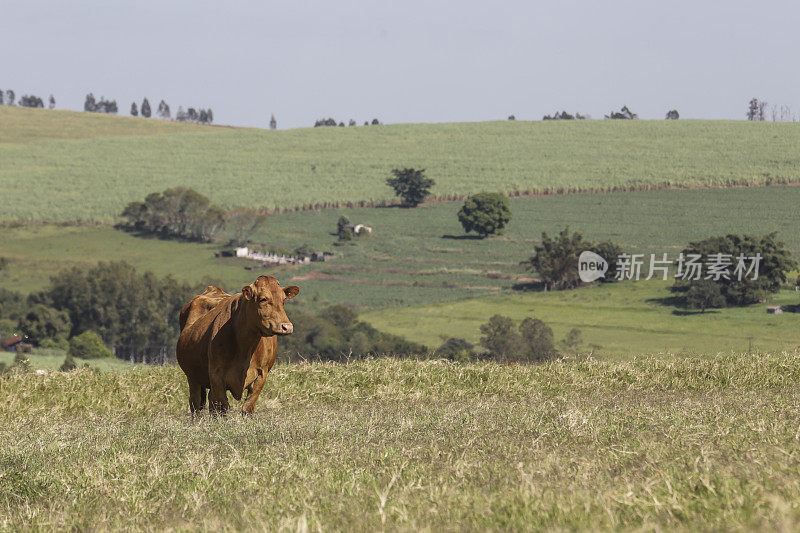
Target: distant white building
[358, 229]
[247, 253]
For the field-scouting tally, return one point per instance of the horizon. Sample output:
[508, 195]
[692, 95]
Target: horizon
[406, 64]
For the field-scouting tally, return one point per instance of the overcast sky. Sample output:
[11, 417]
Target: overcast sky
[406, 61]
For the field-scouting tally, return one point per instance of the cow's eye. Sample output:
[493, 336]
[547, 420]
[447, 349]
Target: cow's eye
[262, 300]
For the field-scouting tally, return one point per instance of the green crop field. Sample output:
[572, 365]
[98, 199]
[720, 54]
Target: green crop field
[690, 444]
[417, 270]
[416, 256]
[66, 166]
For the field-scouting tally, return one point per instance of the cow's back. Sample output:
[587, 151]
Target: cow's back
[201, 304]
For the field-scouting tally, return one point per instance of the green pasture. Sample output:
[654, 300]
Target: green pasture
[416, 256]
[67, 166]
[616, 321]
[686, 444]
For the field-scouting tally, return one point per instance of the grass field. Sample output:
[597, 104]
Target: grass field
[53, 358]
[620, 320]
[60, 166]
[417, 256]
[686, 444]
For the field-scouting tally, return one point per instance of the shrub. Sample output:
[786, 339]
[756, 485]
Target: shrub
[59, 343]
[457, 349]
[68, 364]
[88, 345]
[538, 339]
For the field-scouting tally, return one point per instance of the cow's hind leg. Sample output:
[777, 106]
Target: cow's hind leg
[197, 396]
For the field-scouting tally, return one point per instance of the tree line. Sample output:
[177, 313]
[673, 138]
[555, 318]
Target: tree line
[9, 97]
[332, 122]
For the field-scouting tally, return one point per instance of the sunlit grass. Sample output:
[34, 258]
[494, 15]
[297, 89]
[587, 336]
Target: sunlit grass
[690, 444]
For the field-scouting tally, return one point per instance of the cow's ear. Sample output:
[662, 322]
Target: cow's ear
[247, 292]
[291, 292]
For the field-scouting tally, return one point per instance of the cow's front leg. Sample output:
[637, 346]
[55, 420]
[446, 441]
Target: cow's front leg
[254, 390]
[219, 396]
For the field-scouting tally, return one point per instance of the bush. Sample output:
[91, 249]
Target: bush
[88, 345]
[485, 213]
[68, 364]
[59, 343]
[21, 361]
[457, 349]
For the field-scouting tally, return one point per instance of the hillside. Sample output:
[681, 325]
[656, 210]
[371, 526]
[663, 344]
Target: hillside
[65, 166]
[686, 444]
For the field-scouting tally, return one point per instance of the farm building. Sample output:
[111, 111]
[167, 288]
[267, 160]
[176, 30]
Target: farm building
[359, 229]
[774, 309]
[15, 344]
[277, 259]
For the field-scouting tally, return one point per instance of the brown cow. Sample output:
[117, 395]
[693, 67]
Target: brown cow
[229, 342]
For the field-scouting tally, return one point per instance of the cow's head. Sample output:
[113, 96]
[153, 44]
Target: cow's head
[263, 305]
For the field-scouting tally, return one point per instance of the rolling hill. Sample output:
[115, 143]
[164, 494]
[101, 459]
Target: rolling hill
[70, 166]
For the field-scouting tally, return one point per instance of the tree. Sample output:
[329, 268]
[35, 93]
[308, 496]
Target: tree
[180, 116]
[90, 104]
[411, 185]
[501, 338]
[346, 235]
[573, 340]
[624, 113]
[774, 266]
[351, 123]
[556, 260]
[10, 97]
[538, 340]
[88, 345]
[340, 316]
[2, 97]
[51, 102]
[341, 223]
[29, 100]
[672, 114]
[485, 213]
[457, 349]
[178, 212]
[134, 110]
[705, 294]
[163, 110]
[145, 108]
[12, 304]
[243, 222]
[325, 122]
[375, 122]
[610, 252]
[756, 110]
[512, 117]
[273, 124]
[135, 314]
[43, 322]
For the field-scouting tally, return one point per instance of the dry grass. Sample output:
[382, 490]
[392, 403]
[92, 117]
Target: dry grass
[408, 445]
